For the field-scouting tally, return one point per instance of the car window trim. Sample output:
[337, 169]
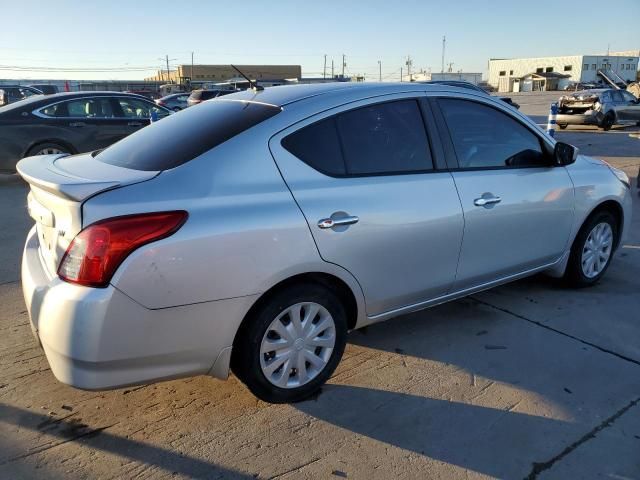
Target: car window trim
[371, 101]
[450, 153]
[37, 111]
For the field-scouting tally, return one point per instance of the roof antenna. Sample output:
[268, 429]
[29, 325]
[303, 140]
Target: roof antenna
[254, 86]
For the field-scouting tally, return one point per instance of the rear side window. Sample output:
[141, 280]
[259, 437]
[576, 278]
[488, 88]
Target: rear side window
[177, 139]
[386, 138]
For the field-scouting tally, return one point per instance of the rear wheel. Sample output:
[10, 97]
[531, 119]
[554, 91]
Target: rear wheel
[608, 121]
[292, 344]
[48, 148]
[592, 250]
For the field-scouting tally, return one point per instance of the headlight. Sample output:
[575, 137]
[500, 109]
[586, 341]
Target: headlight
[623, 177]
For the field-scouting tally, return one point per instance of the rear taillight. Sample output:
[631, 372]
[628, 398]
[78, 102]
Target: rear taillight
[97, 251]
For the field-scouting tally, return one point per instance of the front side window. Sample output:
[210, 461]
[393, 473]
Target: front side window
[136, 108]
[386, 138]
[628, 97]
[617, 96]
[484, 137]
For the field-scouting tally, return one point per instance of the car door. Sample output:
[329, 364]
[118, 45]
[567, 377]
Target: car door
[518, 208]
[630, 106]
[86, 123]
[375, 200]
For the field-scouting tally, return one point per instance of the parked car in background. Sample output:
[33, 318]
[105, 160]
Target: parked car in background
[46, 88]
[14, 93]
[175, 101]
[198, 96]
[471, 86]
[577, 86]
[70, 123]
[145, 93]
[604, 107]
[253, 231]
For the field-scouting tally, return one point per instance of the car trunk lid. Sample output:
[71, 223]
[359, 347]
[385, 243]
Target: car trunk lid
[59, 186]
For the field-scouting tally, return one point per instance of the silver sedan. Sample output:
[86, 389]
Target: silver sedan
[251, 233]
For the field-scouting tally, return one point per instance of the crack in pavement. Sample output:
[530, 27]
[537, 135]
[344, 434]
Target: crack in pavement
[539, 467]
[540, 324]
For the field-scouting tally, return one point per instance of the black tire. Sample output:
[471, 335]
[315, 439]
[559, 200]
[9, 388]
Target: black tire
[608, 121]
[176, 109]
[563, 125]
[37, 149]
[574, 275]
[245, 360]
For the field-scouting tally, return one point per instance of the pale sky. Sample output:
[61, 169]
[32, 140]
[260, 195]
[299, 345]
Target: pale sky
[127, 39]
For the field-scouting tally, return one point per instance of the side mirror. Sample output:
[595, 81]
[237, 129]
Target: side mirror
[565, 154]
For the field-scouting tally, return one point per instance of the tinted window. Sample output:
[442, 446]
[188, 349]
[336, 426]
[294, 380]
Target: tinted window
[483, 136]
[628, 97]
[179, 138]
[81, 108]
[383, 138]
[318, 146]
[136, 108]
[617, 96]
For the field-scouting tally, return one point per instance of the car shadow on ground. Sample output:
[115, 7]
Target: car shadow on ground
[64, 431]
[509, 364]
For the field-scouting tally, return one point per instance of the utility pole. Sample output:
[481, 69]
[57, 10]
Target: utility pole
[400, 73]
[444, 43]
[324, 70]
[409, 63]
[379, 71]
[344, 64]
[332, 74]
[450, 70]
[167, 58]
[191, 67]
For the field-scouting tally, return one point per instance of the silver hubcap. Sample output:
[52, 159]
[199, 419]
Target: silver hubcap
[49, 151]
[297, 345]
[597, 250]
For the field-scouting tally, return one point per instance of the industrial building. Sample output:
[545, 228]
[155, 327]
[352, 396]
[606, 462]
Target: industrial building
[221, 73]
[554, 73]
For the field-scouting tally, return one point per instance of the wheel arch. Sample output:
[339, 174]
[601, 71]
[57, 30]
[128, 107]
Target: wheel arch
[62, 143]
[612, 206]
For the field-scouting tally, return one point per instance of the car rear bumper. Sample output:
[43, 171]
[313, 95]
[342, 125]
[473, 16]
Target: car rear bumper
[578, 119]
[99, 338]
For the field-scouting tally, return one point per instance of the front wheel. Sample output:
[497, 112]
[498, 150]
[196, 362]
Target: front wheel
[592, 250]
[608, 121]
[563, 125]
[292, 344]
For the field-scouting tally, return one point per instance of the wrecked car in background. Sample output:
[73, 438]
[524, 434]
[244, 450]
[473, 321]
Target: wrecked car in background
[603, 107]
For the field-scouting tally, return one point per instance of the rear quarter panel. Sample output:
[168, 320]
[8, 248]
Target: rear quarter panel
[244, 234]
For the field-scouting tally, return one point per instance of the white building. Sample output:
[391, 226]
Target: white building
[508, 75]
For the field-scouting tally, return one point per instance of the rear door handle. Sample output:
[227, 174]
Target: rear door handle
[336, 222]
[77, 124]
[485, 201]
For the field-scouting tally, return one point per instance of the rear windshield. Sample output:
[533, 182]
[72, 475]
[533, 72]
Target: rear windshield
[181, 137]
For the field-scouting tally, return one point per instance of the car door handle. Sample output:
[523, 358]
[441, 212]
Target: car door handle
[484, 201]
[336, 222]
[135, 124]
[77, 124]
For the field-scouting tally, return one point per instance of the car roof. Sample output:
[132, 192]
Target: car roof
[286, 94]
